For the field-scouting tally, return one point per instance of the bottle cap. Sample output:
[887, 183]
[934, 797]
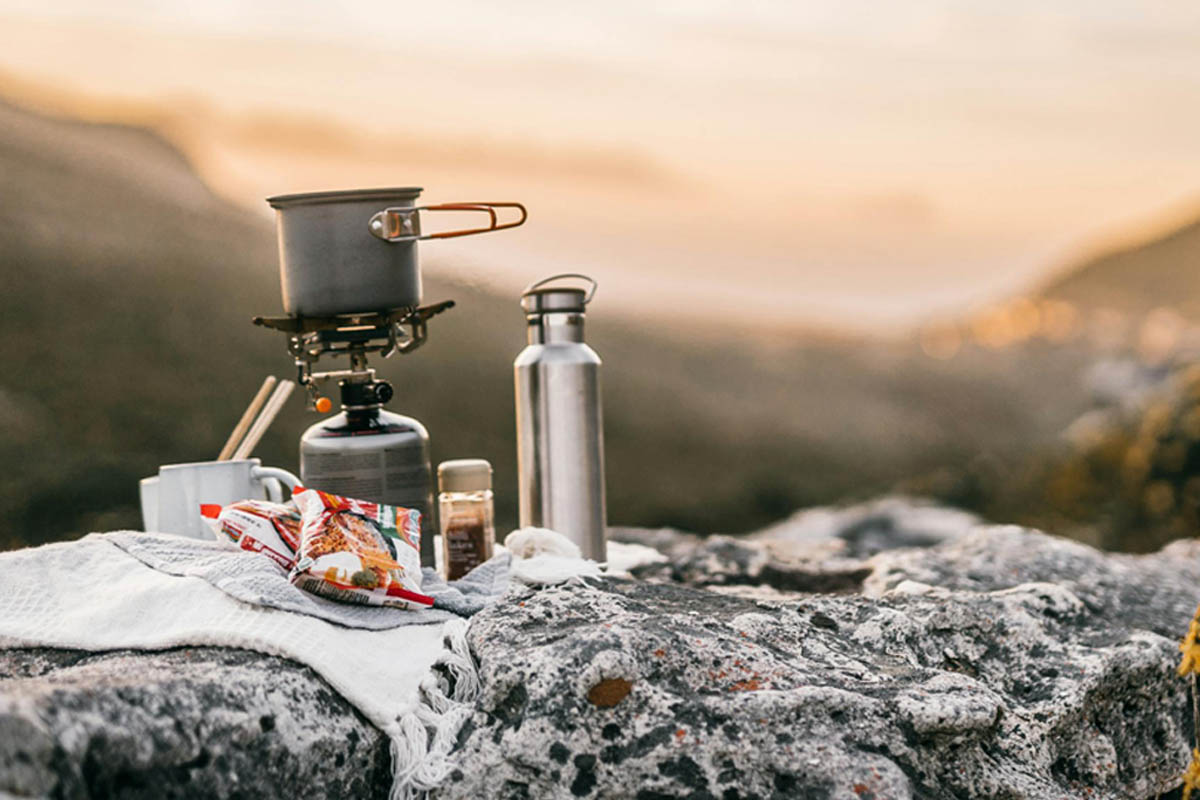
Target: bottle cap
[548, 301]
[540, 297]
[464, 475]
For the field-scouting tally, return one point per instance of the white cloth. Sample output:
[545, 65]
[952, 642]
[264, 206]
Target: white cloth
[531, 542]
[544, 557]
[91, 595]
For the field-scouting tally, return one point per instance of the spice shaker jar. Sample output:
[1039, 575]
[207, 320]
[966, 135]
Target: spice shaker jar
[465, 509]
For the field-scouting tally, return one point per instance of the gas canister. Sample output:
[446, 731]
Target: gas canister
[370, 453]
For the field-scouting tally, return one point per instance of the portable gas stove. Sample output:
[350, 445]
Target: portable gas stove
[400, 330]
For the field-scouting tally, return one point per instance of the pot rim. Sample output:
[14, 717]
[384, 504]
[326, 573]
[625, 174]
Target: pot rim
[344, 196]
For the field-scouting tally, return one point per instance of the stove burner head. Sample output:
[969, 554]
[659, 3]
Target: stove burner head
[400, 330]
[372, 319]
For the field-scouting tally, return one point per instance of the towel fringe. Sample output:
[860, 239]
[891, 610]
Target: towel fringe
[421, 744]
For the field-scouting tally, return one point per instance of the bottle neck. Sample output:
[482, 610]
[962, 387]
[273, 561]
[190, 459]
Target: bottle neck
[554, 328]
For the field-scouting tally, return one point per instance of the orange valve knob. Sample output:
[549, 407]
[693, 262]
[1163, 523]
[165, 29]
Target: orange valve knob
[323, 404]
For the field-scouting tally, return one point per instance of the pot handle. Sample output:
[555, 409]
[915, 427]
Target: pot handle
[403, 224]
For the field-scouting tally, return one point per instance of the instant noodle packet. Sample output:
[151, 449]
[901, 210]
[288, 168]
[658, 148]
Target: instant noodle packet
[272, 529]
[356, 551]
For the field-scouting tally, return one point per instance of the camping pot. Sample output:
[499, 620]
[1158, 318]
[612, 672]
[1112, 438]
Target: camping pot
[356, 251]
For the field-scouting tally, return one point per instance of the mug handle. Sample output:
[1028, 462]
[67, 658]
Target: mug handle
[274, 490]
[271, 478]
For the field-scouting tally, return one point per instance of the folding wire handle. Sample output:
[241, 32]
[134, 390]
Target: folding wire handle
[591, 291]
[403, 224]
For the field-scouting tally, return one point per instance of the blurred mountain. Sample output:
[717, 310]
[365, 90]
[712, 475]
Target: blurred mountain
[1161, 272]
[125, 317]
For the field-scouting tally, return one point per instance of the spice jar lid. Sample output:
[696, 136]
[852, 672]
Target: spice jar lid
[464, 475]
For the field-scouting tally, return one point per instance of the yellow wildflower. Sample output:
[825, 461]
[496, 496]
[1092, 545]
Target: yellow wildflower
[1191, 778]
[1190, 648]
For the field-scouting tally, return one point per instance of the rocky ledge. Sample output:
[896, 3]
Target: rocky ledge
[187, 723]
[889, 651]
[974, 662]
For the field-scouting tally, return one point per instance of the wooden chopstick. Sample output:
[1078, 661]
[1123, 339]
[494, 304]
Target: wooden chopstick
[243, 425]
[269, 412]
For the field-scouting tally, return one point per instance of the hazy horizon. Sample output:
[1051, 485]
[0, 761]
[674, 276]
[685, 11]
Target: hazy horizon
[836, 164]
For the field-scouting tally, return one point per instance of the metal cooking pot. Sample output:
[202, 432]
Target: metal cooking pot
[356, 251]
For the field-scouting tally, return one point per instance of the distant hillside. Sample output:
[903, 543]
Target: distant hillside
[125, 319]
[1164, 271]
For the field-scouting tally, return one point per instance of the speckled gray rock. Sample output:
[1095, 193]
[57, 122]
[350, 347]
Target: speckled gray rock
[816, 550]
[661, 539]
[1157, 592]
[186, 723]
[864, 529]
[999, 664]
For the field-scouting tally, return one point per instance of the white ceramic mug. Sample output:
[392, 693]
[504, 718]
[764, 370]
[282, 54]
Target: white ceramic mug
[148, 492]
[171, 502]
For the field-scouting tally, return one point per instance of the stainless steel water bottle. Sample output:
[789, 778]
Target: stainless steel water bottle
[560, 430]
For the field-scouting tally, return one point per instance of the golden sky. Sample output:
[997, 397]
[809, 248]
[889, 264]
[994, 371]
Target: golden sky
[853, 163]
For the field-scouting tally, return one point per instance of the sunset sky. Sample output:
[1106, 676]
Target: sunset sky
[846, 162]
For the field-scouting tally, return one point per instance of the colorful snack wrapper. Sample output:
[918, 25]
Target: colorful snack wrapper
[272, 529]
[356, 551]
